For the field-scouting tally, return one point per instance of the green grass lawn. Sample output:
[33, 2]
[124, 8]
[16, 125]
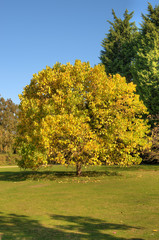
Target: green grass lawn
[105, 203]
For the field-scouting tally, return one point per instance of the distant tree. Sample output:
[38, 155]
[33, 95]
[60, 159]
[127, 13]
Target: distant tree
[145, 66]
[8, 124]
[151, 155]
[80, 116]
[118, 46]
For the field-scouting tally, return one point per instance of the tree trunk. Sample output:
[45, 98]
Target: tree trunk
[78, 169]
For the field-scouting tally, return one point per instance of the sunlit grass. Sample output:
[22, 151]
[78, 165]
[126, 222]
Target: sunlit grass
[104, 203]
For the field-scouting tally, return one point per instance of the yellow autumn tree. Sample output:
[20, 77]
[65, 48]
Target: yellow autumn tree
[76, 114]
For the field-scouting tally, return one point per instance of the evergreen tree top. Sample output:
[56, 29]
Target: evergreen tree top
[150, 23]
[120, 26]
[118, 45]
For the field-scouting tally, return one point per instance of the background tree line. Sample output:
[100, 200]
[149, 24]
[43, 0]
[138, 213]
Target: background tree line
[8, 128]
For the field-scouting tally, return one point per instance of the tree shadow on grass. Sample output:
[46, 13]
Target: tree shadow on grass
[50, 175]
[20, 227]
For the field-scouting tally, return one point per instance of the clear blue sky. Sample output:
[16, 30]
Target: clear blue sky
[36, 33]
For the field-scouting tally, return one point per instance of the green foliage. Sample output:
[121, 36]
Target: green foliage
[77, 115]
[152, 155]
[135, 54]
[118, 46]
[8, 159]
[145, 67]
[8, 124]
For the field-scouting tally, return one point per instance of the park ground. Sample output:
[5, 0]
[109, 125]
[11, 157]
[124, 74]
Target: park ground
[112, 203]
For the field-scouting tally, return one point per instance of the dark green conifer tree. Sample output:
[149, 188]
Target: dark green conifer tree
[118, 46]
[145, 67]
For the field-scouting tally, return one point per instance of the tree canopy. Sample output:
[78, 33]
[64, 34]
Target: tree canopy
[8, 124]
[78, 115]
[118, 46]
[134, 53]
[145, 66]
